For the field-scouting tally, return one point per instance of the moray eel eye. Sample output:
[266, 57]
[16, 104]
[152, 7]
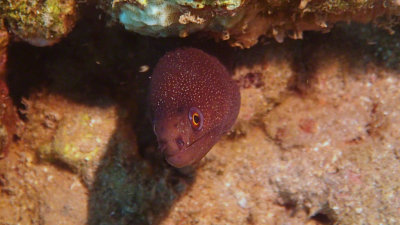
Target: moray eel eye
[196, 118]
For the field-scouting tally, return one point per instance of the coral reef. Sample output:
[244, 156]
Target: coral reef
[240, 22]
[166, 18]
[41, 23]
[316, 140]
[243, 22]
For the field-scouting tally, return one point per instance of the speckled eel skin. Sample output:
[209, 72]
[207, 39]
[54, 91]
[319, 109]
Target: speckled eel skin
[193, 102]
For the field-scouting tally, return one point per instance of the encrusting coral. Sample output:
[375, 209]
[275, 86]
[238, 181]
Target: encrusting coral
[40, 23]
[240, 22]
[243, 22]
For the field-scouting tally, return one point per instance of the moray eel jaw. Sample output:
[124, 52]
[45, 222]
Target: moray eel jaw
[192, 153]
[179, 144]
[172, 134]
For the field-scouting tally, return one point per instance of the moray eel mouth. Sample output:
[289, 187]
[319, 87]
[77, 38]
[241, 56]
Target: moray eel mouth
[175, 157]
[178, 142]
[183, 157]
[190, 154]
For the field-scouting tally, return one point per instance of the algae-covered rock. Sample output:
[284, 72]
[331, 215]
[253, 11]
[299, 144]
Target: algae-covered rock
[243, 22]
[40, 23]
[73, 134]
[173, 18]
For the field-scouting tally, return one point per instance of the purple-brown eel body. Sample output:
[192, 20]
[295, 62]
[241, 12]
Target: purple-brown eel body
[193, 102]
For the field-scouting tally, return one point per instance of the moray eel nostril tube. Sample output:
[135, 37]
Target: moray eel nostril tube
[193, 102]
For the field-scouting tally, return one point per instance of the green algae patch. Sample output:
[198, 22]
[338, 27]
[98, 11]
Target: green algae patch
[73, 134]
[40, 23]
[70, 141]
[81, 139]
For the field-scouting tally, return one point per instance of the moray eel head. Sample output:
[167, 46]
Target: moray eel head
[193, 102]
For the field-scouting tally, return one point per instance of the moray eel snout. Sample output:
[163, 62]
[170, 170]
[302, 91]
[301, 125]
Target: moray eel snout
[172, 135]
[180, 137]
[193, 102]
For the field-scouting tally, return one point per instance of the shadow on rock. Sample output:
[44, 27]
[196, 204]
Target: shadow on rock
[130, 190]
[98, 74]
